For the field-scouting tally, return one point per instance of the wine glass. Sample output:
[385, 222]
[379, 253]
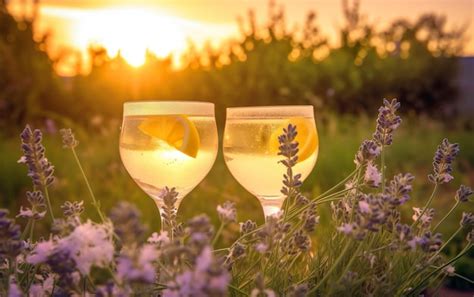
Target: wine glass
[168, 143]
[251, 148]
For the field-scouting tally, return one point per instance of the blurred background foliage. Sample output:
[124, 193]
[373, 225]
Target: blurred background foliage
[415, 61]
[269, 64]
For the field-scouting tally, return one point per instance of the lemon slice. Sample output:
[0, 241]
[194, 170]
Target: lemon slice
[307, 137]
[176, 130]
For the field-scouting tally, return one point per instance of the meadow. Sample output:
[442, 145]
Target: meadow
[414, 61]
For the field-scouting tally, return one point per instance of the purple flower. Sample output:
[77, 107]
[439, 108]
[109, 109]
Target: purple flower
[367, 152]
[69, 141]
[397, 192]
[463, 193]
[387, 122]
[138, 265]
[430, 242]
[372, 176]
[467, 220]
[207, 278]
[442, 162]
[227, 212]
[11, 244]
[39, 168]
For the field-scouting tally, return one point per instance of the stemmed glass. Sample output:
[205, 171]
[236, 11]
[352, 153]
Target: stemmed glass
[168, 143]
[251, 148]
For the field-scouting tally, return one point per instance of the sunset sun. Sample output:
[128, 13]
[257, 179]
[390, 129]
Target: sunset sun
[125, 30]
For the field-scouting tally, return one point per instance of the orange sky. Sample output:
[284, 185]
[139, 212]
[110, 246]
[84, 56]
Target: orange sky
[165, 26]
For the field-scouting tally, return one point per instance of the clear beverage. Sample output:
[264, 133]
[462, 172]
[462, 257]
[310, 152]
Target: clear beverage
[159, 148]
[251, 149]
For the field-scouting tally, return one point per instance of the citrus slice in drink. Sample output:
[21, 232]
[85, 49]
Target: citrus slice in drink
[307, 137]
[176, 130]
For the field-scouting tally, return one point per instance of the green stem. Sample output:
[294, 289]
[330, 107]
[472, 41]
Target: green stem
[353, 257]
[218, 234]
[333, 266]
[382, 165]
[32, 229]
[25, 231]
[446, 216]
[428, 203]
[50, 208]
[420, 284]
[94, 200]
[237, 290]
[445, 244]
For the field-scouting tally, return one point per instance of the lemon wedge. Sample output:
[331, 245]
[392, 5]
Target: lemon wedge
[176, 130]
[307, 137]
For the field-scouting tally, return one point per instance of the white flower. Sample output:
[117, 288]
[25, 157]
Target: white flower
[261, 247]
[346, 228]
[449, 270]
[161, 239]
[364, 206]
[426, 218]
[22, 160]
[89, 244]
[372, 176]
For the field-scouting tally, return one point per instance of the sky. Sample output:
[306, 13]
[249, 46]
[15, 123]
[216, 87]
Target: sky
[166, 26]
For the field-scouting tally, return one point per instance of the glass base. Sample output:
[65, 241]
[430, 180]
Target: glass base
[271, 205]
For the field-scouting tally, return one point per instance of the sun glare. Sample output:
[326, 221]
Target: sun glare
[128, 31]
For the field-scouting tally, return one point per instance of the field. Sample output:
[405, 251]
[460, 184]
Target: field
[340, 138]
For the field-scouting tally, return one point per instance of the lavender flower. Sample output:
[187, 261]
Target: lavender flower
[387, 122]
[463, 193]
[88, 245]
[442, 162]
[404, 237]
[369, 215]
[425, 219]
[14, 290]
[227, 212]
[169, 197]
[372, 176]
[39, 168]
[260, 289]
[110, 289]
[11, 244]
[159, 240]
[62, 263]
[449, 270]
[207, 278]
[237, 252]
[72, 209]
[44, 287]
[309, 218]
[69, 141]
[299, 291]
[367, 152]
[470, 236]
[399, 189]
[38, 206]
[200, 230]
[126, 220]
[138, 265]
[289, 149]
[430, 242]
[247, 227]
[467, 220]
